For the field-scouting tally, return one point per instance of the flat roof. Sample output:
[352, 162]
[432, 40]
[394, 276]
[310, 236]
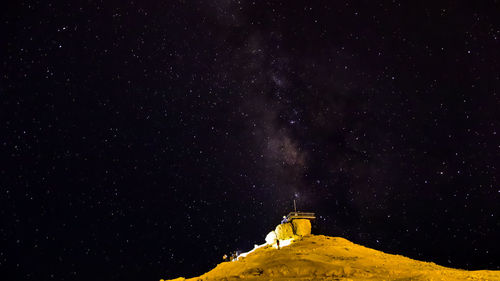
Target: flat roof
[301, 215]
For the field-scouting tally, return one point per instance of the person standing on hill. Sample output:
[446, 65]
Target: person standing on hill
[278, 243]
[284, 220]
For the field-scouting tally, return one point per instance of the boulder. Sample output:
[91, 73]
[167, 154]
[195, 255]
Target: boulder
[301, 227]
[284, 231]
[271, 238]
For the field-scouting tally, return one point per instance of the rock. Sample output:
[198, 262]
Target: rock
[301, 227]
[284, 231]
[271, 238]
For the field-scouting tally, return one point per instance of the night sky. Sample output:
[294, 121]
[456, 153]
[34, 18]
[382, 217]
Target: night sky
[142, 140]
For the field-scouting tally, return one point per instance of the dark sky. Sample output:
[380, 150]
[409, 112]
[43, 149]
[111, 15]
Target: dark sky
[141, 140]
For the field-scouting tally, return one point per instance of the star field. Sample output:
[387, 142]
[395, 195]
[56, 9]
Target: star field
[144, 139]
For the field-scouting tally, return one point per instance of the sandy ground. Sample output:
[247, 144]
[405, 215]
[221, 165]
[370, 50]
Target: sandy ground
[318, 257]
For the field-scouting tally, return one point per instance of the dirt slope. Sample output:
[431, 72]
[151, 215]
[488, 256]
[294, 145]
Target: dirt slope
[318, 257]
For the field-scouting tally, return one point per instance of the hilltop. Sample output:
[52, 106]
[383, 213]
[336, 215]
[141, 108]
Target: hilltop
[318, 257]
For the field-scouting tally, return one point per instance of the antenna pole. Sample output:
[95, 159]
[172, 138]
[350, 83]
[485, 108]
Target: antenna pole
[294, 206]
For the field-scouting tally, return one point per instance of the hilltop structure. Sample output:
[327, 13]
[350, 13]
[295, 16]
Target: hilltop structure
[295, 225]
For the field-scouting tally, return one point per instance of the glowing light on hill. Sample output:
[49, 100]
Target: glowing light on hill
[283, 243]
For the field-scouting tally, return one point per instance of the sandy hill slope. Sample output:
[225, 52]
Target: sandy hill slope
[318, 257]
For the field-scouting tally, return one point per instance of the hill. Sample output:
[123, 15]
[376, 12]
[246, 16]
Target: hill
[318, 257]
